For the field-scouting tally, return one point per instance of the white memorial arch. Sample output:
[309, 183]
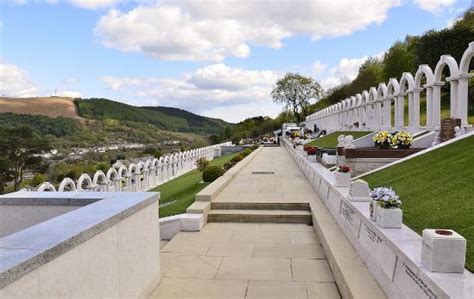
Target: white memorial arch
[372, 109]
[142, 176]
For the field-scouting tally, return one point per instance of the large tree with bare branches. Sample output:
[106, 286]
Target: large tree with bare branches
[295, 92]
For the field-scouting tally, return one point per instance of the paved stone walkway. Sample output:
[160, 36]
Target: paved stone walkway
[287, 184]
[251, 260]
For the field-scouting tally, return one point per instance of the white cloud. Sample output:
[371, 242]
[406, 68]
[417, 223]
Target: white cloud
[15, 82]
[434, 6]
[200, 31]
[345, 71]
[216, 90]
[94, 4]
[318, 67]
[68, 93]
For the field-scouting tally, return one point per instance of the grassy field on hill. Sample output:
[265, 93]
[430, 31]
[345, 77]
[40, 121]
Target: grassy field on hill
[46, 106]
[183, 189]
[436, 190]
[330, 141]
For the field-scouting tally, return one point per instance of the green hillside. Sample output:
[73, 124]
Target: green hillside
[436, 190]
[196, 123]
[170, 119]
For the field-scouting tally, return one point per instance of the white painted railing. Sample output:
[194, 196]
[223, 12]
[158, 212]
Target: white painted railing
[143, 176]
[372, 110]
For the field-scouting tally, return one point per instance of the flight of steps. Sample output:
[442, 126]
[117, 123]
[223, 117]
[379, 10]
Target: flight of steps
[271, 212]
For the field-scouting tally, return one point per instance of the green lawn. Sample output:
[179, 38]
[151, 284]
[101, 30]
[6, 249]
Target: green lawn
[436, 190]
[184, 188]
[330, 141]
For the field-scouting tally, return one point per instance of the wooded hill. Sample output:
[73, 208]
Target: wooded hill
[82, 122]
[166, 118]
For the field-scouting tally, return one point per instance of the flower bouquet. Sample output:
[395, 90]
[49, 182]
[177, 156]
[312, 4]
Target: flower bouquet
[402, 139]
[312, 151]
[384, 208]
[343, 176]
[382, 139]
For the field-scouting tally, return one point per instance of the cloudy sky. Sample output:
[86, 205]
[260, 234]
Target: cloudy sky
[218, 58]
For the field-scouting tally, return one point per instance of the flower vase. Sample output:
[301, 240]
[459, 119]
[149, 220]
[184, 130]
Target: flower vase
[384, 146]
[312, 158]
[373, 206]
[343, 179]
[389, 217]
[403, 146]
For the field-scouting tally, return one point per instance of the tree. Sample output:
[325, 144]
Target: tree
[19, 150]
[295, 92]
[6, 173]
[398, 59]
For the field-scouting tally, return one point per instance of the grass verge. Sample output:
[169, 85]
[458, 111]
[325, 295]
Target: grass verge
[436, 190]
[183, 189]
[330, 141]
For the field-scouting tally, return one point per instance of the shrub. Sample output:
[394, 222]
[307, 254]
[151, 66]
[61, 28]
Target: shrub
[246, 152]
[202, 163]
[255, 146]
[228, 165]
[211, 173]
[237, 158]
[38, 179]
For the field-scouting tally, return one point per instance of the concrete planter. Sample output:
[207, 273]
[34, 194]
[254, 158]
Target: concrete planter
[373, 206]
[443, 250]
[389, 217]
[312, 158]
[343, 179]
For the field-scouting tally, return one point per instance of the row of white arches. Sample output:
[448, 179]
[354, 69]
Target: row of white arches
[141, 176]
[371, 109]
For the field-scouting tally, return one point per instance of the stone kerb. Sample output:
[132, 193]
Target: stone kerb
[393, 256]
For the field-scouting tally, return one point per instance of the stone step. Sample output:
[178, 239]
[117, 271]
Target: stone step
[267, 216]
[297, 206]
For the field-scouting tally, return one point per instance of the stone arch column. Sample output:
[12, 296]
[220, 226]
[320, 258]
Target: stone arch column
[463, 84]
[434, 106]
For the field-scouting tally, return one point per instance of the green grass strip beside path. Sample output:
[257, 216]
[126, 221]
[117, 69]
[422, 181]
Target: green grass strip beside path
[330, 141]
[436, 190]
[183, 189]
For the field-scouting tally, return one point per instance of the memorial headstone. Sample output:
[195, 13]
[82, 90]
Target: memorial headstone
[447, 130]
[359, 191]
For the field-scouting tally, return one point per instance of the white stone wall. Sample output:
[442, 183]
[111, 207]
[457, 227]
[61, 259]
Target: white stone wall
[393, 256]
[122, 261]
[372, 108]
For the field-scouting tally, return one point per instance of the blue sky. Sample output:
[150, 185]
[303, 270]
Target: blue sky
[215, 58]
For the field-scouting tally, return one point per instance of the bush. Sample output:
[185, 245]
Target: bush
[237, 158]
[228, 165]
[246, 152]
[211, 173]
[38, 179]
[255, 146]
[202, 163]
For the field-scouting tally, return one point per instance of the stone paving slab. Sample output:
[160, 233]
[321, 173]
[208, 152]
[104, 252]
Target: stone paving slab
[257, 261]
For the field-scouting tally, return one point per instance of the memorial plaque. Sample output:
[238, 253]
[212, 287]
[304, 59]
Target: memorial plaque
[447, 131]
[412, 285]
[371, 240]
[350, 216]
